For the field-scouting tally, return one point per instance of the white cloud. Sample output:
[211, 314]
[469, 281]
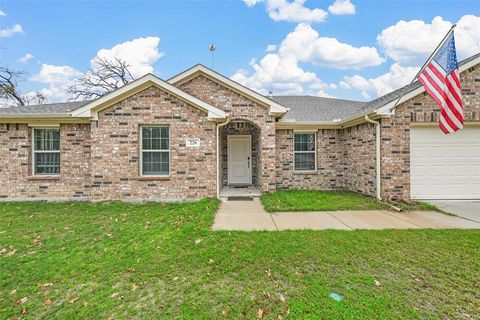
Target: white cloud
[58, 78]
[140, 54]
[282, 75]
[2, 13]
[25, 58]
[411, 42]
[271, 48]
[8, 32]
[280, 71]
[397, 77]
[342, 7]
[307, 46]
[293, 11]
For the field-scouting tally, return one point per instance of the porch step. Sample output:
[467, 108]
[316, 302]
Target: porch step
[240, 199]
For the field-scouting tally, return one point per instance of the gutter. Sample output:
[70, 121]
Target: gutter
[377, 156]
[219, 125]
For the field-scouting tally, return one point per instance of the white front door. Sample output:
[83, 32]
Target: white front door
[239, 160]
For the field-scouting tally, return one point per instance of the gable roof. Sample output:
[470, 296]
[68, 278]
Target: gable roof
[139, 84]
[384, 103]
[89, 109]
[306, 109]
[275, 107]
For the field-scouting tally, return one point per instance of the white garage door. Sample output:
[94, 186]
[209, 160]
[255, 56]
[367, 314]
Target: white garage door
[444, 167]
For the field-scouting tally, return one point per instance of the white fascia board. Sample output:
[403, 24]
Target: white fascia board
[387, 108]
[275, 108]
[90, 109]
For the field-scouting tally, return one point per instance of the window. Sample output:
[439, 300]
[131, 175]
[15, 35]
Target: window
[305, 152]
[155, 154]
[46, 151]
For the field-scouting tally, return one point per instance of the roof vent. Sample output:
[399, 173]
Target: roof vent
[270, 93]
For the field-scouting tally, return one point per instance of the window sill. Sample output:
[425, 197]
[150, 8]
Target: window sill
[306, 172]
[44, 178]
[153, 178]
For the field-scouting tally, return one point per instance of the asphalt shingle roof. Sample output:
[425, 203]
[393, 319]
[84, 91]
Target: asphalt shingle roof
[302, 108]
[51, 108]
[311, 108]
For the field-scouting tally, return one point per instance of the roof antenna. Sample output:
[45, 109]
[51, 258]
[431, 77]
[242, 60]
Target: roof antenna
[212, 48]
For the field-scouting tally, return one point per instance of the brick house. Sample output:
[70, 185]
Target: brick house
[200, 134]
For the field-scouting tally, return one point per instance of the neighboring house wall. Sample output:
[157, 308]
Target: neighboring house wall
[116, 150]
[16, 180]
[396, 133]
[241, 108]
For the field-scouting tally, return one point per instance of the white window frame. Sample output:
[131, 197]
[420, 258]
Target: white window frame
[314, 152]
[34, 152]
[154, 150]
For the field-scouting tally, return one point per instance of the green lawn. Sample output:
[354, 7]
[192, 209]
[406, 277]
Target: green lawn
[99, 261]
[313, 200]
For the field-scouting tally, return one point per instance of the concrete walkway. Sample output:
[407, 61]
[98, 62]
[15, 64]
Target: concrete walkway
[251, 216]
[468, 209]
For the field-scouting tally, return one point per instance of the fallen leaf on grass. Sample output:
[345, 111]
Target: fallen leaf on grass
[48, 284]
[37, 240]
[175, 278]
[14, 291]
[268, 272]
[198, 241]
[261, 313]
[11, 253]
[2, 252]
[279, 317]
[23, 300]
[134, 287]
[114, 295]
[85, 303]
[47, 302]
[378, 283]
[131, 270]
[224, 313]
[73, 300]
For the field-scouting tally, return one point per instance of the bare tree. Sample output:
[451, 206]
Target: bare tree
[105, 76]
[9, 85]
[35, 98]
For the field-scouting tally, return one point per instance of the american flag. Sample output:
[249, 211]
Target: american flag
[441, 80]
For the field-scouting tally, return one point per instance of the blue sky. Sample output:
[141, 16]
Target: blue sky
[354, 49]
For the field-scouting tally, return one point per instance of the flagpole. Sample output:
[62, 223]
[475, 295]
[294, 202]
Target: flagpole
[424, 65]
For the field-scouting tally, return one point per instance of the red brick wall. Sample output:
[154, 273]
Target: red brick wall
[16, 179]
[358, 158]
[396, 133]
[328, 175]
[116, 155]
[345, 160]
[241, 108]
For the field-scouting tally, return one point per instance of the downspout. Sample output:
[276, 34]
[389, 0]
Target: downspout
[377, 156]
[219, 125]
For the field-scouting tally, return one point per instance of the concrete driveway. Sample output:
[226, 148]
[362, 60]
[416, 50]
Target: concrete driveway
[250, 216]
[462, 208]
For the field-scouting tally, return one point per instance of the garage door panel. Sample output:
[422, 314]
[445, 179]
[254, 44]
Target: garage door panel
[444, 167]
